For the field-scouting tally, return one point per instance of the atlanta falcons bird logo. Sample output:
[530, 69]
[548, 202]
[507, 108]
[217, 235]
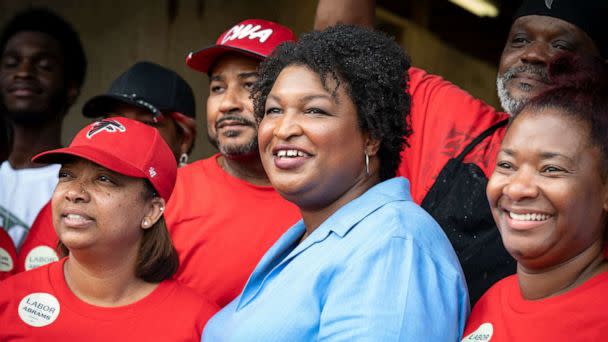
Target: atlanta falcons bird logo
[110, 126]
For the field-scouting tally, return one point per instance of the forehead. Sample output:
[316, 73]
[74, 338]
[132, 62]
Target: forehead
[299, 81]
[31, 43]
[550, 28]
[234, 63]
[547, 128]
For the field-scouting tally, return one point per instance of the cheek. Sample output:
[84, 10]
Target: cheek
[265, 134]
[494, 189]
[212, 111]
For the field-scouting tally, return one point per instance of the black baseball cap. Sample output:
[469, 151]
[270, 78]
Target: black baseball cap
[148, 86]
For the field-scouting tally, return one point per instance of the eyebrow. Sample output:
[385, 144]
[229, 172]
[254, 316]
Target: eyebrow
[241, 76]
[543, 155]
[304, 99]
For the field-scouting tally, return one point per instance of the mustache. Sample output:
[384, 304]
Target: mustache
[237, 118]
[533, 69]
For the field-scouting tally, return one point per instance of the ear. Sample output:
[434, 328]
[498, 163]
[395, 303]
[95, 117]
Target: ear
[155, 210]
[187, 136]
[72, 92]
[372, 145]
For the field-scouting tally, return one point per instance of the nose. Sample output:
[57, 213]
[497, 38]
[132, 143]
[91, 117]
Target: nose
[287, 126]
[537, 53]
[25, 69]
[76, 192]
[521, 185]
[232, 101]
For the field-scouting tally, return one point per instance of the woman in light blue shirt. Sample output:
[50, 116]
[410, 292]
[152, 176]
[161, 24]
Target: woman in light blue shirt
[365, 263]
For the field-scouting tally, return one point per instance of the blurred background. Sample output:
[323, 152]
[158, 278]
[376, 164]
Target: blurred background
[444, 37]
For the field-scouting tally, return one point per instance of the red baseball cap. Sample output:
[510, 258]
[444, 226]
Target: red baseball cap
[253, 37]
[122, 145]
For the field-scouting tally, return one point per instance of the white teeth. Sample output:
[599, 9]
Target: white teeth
[290, 153]
[76, 217]
[528, 216]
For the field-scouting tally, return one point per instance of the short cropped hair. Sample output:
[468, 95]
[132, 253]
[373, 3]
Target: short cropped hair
[370, 66]
[45, 21]
[580, 90]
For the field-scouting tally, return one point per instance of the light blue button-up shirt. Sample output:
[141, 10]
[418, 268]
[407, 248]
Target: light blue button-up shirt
[379, 269]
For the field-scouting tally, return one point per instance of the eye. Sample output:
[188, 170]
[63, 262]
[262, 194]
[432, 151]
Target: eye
[64, 174]
[504, 165]
[272, 110]
[552, 169]
[563, 45]
[519, 40]
[316, 111]
[216, 88]
[248, 85]
[105, 179]
[45, 64]
[9, 62]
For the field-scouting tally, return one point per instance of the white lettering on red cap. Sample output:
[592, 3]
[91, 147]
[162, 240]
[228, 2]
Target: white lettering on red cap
[152, 172]
[110, 126]
[249, 31]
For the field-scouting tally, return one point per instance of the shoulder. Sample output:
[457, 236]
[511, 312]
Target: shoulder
[183, 297]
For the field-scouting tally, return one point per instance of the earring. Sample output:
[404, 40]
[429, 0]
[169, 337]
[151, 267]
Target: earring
[183, 160]
[366, 164]
[145, 223]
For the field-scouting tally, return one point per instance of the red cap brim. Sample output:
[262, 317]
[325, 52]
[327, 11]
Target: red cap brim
[99, 157]
[202, 60]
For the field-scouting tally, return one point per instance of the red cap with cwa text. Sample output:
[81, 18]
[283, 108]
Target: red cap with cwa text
[125, 146]
[253, 37]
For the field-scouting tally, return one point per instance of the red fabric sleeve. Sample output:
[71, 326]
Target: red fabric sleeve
[41, 234]
[444, 119]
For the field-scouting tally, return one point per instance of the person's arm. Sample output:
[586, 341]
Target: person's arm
[356, 12]
[395, 292]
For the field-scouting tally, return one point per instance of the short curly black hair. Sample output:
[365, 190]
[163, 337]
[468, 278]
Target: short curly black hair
[45, 21]
[370, 65]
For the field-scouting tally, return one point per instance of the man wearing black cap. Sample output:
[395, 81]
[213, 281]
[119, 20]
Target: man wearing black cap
[455, 137]
[146, 92]
[156, 96]
[42, 69]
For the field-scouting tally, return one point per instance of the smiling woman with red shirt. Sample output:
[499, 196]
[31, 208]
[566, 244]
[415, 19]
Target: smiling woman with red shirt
[113, 282]
[549, 198]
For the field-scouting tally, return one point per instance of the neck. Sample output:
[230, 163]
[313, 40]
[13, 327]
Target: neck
[539, 284]
[313, 216]
[107, 280]
[248, 168]
[29, 141]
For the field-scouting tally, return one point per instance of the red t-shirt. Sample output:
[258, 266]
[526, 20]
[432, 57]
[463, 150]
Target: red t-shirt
[221, 227]
[8, 256]
[39, 306]
[444, 119]
[502, 314]
[40, 245]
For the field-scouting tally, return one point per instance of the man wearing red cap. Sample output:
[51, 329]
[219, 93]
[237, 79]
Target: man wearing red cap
[223, 214]
[456, 137]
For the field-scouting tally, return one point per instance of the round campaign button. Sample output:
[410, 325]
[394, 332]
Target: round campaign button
[39, 309]
[40, 256]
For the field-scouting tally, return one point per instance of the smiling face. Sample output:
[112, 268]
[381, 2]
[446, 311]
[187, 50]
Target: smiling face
[231, 125]
[98, 209]
[32, 79]
[532, 42]
[547, 193]
[310, 143]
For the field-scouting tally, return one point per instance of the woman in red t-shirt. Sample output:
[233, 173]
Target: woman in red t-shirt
[113, 281]
[549, 197]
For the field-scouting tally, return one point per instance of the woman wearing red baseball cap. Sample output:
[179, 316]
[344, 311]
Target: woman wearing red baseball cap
[113, 280]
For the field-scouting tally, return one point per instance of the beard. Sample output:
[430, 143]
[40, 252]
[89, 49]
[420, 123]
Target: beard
[509, 103]
[234, 149]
